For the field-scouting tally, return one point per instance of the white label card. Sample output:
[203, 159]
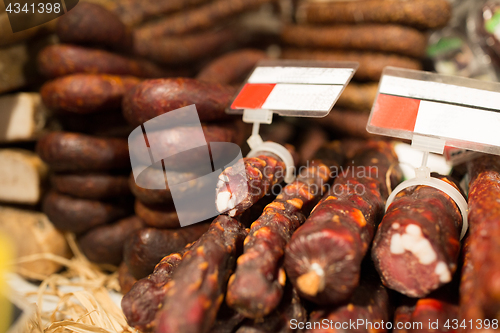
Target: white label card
[464, 113]
[294, 88]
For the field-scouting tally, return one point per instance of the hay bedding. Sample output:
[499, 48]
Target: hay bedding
[87, 308]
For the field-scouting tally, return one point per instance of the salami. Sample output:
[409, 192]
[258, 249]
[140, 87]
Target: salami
[479, 288]
[204, 17]
[402, 319]
[65, 151]
[239, 188]
[86, 93]
[197, 288]
[422, 14]
[256, 288]
[152, 98]
[312, 138]
[91, 185]
[323, 257]
[417, 244]
[80, 215]
[141, 304]
[104, 244]
[144, 248]
[64, 59]
[174, 50]
[134, 12]
[370, 37]
[92, 24]
[173, 140]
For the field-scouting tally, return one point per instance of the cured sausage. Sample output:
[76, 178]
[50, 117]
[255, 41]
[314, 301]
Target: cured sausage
[417, 244]
[323, 258]
[86, 93]
[370, 37]
[152, 98]
[422, 14]
[479, 288]
[256, 288]
[65, 151]
[197, 288]
[144, 248]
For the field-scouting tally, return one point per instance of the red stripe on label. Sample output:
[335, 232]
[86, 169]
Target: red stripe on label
[252, 96]
[394, 112]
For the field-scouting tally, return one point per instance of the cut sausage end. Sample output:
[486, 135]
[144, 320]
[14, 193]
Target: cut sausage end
[224, 201]
[413, 241]
[409, 264]
[313, 282]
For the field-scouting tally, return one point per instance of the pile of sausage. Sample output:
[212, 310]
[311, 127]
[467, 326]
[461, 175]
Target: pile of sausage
[373, 33]
[332, 255]
[101, 87]
[307, 257]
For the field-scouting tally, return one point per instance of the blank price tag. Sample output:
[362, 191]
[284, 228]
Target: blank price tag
[463, 112]
[294, 88]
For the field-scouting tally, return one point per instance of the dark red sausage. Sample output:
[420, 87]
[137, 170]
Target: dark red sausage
[369, 37]
[239, 188]
[64, 151]
[86, 93]
[197, 288]
[422, 14]
[91, 185]
[175, 50]
[145, 248]
[104, 244]
[417, 244]
[141, 304]
[134, 12]
[152, 98]
[479, 287]
[256, 288]
[323, 258]
[90, 23]
[64, 59]
[201, 18]
[79, 215]
[176, 143]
